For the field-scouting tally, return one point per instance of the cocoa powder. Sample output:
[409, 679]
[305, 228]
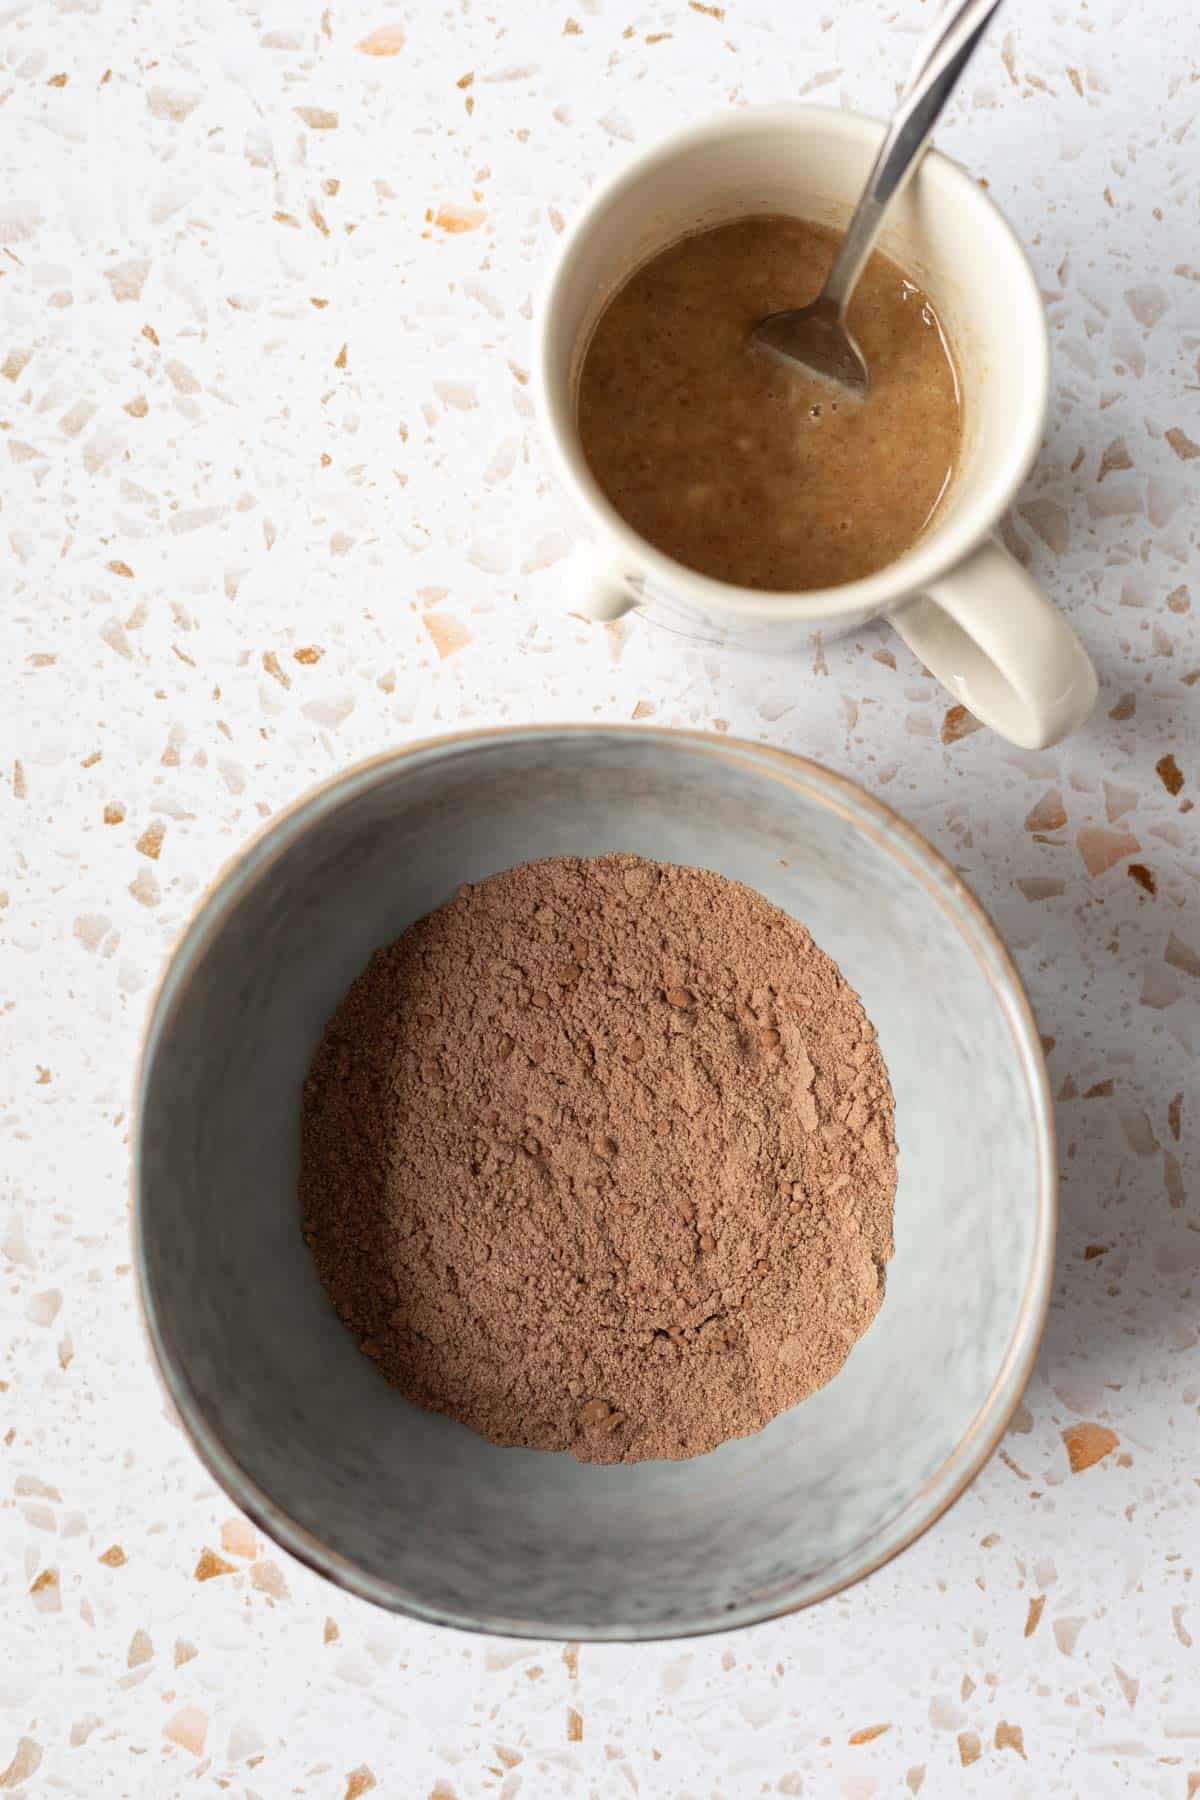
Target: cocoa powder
[599, 1157]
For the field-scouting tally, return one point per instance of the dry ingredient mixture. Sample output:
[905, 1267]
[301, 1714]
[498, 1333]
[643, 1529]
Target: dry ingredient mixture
[599, 1157]
[740, 465]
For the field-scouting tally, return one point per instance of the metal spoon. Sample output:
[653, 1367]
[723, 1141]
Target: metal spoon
[817, 336]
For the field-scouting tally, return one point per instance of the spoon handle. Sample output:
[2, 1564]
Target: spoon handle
[935, 77]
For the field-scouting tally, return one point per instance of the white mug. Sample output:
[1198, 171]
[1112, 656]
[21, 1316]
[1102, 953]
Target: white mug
[957, 598]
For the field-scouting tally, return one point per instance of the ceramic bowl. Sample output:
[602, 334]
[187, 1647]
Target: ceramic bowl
[417, 1513]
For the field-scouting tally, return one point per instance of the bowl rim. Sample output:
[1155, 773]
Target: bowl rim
[892, 833]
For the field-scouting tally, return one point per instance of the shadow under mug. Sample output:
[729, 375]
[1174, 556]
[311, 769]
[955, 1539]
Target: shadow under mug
[956, 597]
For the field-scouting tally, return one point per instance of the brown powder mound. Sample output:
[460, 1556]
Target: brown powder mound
[599, 1157]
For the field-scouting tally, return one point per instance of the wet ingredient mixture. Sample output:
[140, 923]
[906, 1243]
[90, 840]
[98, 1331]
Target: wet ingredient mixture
[599, 1157]
[740, 465]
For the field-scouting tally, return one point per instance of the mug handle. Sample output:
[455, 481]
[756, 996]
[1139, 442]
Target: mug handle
[990, 635]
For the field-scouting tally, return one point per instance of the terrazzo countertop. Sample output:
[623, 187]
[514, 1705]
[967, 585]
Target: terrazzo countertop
[272, 501]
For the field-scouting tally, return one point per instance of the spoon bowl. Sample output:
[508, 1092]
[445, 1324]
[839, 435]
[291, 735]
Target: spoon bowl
[816, 337]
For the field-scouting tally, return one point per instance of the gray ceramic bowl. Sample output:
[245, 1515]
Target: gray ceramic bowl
[416, 1512]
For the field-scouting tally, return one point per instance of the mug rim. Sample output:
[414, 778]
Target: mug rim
[944, 887]
[926, 561]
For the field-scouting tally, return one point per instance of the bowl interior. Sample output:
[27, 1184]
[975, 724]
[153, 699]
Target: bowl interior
[416, 1511]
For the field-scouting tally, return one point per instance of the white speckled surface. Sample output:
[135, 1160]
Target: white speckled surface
[246, 538]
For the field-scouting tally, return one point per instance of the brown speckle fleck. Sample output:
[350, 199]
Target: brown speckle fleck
[267, 1578]
[1010, 1737]
[1182, 444]
[385, 40]
[121, 568]
[1101, 849]
[309, 654]
[959, 723]
[1125, 708]
[26, 1762]
[1173, 1181]
[114, 1557]
[1144, 878]
[449, 634]
[574, 1726]
[318, 118]
[273, 668]
[454, 217]
[145, 889]
[968, 1748]
[1040, 887]
[1128, 1684]
[151, 841]
[14, 363]
[1050, 522]
[1169, 773]
[171, 103]
[140, 1651]
[210, 1564]
[46, 1592]
[331, 1634]
[1086, 1444]
[1147, 303]
[188, 1729]
[1115, 457]
[865, 1735]
[239, 1538]
[1182, 956]
[1049, 814]
[127, 279]
[1118, 801]
[1033, 1616]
